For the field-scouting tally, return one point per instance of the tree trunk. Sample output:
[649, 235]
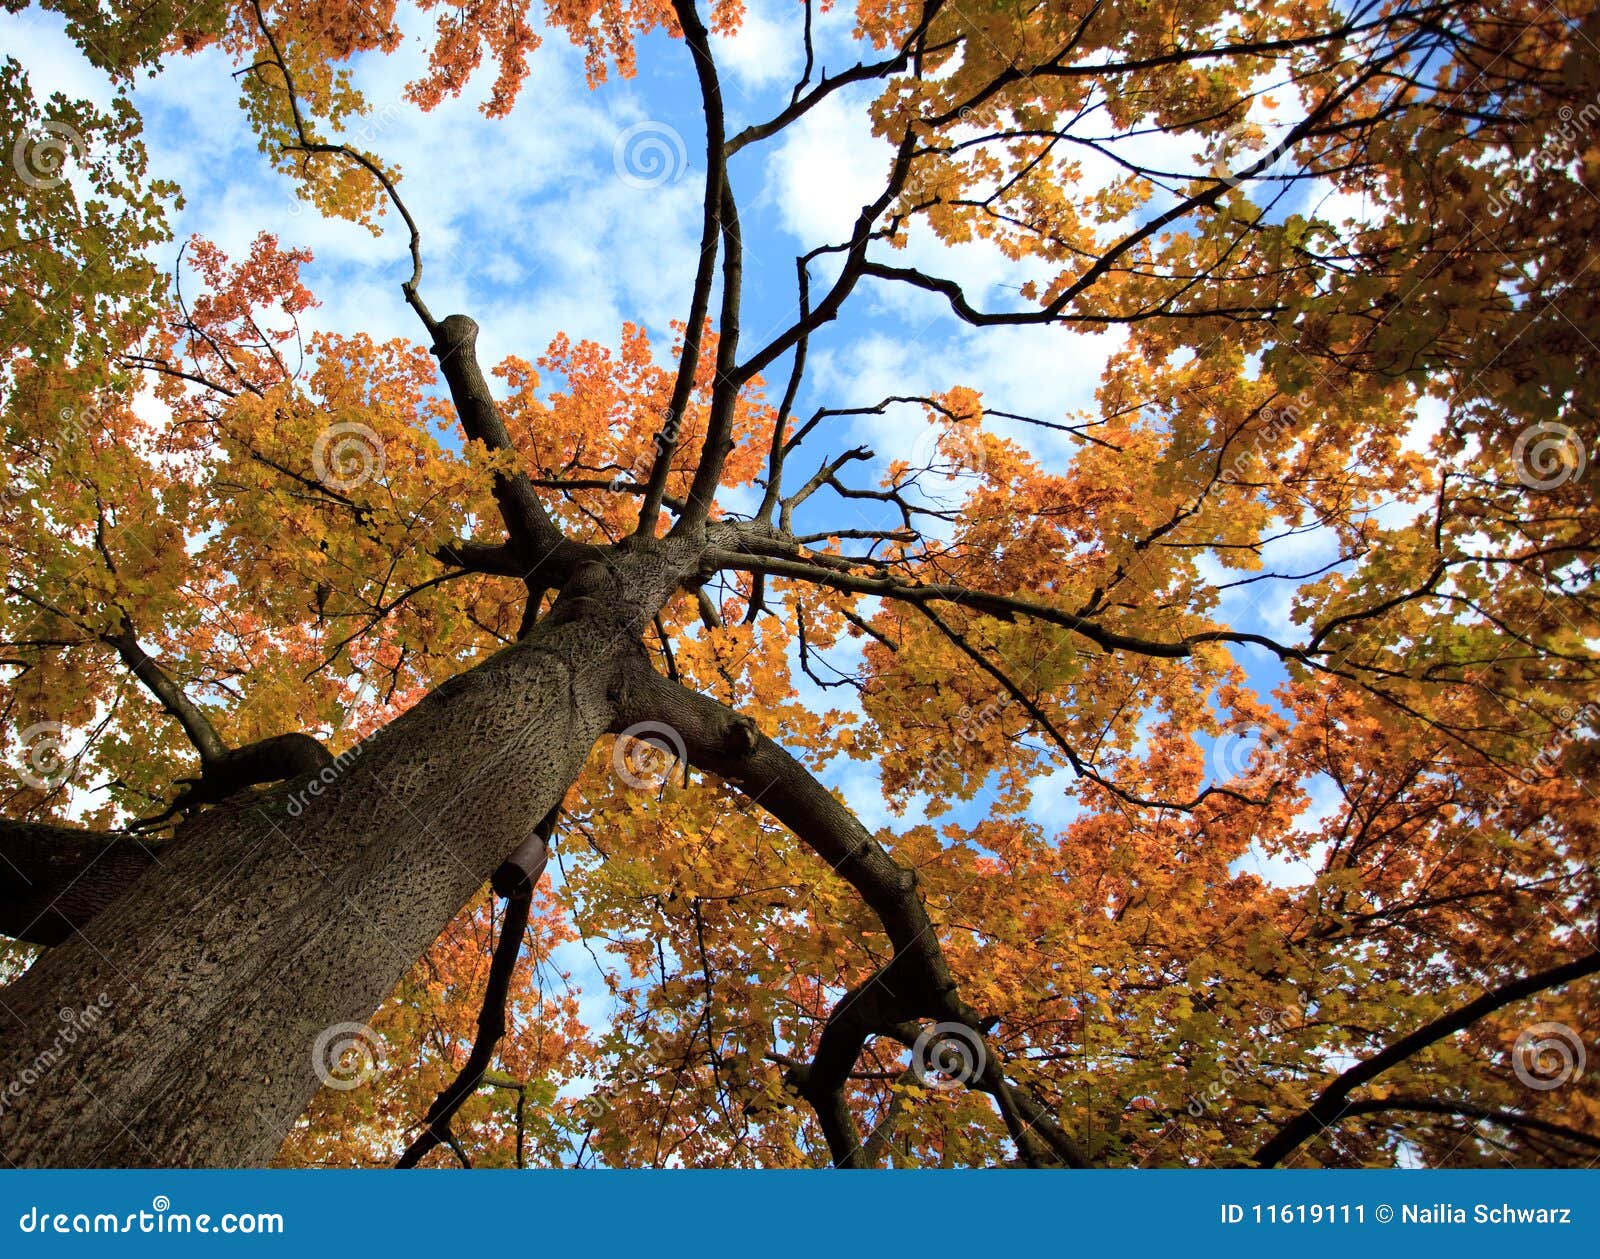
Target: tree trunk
[178, 1029]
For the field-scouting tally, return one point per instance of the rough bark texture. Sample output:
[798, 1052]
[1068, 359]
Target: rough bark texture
[54, 879]
[276, 916]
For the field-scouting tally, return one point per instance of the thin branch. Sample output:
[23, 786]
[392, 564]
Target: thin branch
[515, 881]
[1512, 1119]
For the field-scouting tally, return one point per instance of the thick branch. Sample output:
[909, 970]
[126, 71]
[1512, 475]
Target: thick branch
[915, 983]
[725, 385]
[224, 771]
[778, 449]
[273, 759]
[1005, 607]
[1512, 1119]
[537, 540]
[170, 695]
[719, 740]
[1330, 1103]
[695, 35]
[54, 879]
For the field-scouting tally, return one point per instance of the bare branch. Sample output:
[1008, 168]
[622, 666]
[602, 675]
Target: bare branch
[698, 40]
[515, 880]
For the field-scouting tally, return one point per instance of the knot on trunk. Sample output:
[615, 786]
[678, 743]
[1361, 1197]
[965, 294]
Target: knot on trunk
[454, 332]
[741, 737]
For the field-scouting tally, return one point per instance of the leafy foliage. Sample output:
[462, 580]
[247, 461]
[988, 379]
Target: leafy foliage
[282, 520]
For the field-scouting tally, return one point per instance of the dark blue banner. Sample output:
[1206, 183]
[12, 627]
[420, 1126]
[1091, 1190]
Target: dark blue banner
[1296, 1214]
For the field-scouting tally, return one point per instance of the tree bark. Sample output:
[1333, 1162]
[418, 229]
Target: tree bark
[54, 879]
[193, 1004]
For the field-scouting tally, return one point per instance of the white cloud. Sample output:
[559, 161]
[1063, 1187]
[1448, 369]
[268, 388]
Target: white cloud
[827, 166]
[1040, 371]
[1054, 803]
[52, 61]
[525, 224]
[766, 51]
[863, 793]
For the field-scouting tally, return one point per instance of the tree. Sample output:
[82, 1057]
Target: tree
[335, 632]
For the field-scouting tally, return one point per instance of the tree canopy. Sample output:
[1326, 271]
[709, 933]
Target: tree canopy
[1147, 885]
